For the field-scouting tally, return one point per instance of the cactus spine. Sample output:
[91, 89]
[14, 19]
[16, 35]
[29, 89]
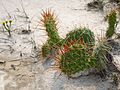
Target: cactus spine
[49, 22]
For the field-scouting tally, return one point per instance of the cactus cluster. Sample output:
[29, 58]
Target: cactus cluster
[77, 52]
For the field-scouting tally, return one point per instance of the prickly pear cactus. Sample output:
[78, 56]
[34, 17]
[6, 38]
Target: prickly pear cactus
[78, 36]
[112, 23]
[82, 36]
[76, 54]
[49, 23]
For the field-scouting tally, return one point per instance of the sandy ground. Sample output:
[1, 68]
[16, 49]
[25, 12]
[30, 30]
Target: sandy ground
[20, 67]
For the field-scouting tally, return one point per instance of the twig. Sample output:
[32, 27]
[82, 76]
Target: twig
[24, 10]
[7, 40]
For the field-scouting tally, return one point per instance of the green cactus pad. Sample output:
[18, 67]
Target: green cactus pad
[79, 56]
[76, 59]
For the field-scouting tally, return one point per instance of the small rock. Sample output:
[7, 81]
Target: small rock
[26, 31]
[2, 62]
[97, 4]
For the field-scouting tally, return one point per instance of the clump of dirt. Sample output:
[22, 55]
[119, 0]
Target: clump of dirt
[96, 5]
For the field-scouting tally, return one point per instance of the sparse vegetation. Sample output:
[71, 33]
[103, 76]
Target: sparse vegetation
[78, 56]
[101, 51]
[77, 52]
[7, 26]
[112, 23]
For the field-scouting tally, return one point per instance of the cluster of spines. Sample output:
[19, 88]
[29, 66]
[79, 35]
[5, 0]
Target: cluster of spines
[50, 23]
[77, 51]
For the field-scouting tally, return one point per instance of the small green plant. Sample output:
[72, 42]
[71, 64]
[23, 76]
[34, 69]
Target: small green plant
[112, 23]
[49, 22]
[7, 26]
[100, 52]
[77, 51]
